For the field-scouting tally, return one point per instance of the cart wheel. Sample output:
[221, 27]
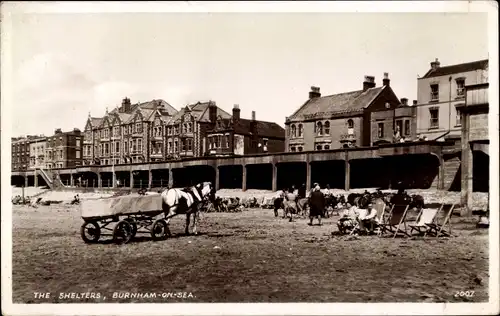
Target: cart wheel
[90, 232]
[160, 230]
[122, 233]
[134, 226]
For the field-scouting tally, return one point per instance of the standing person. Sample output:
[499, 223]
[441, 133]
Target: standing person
[317, 205]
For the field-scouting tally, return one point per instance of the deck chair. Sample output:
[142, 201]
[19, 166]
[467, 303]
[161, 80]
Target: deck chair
[397, 217]
[356, 227]
[426, 216]
[379, 205]
[437, 229]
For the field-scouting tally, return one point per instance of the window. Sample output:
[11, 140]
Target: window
[318, 147]
[319, 128]
[176, 146]
[458, 117]
[327, 128]
[117, 147]
[380, 130]
[407, 127]
[131, 146]
[301, 130]
[350, 127]
[189, 144]
[169, 146]
[227, 141]
[460, 87]
[125, 147]
[77, 154]
[134, 146]
[434, 92]
[139, 145]
[399, 127]
[294, 131]
[434, 117]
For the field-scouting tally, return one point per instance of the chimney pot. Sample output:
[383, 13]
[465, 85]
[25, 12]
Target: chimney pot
[435, 64]
[314, 93]
[404, 101]
[415, 102]
[386, 81]
[253, 115]
[369, 83]
[236, 112]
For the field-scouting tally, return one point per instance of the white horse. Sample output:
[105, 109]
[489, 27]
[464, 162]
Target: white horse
[186, 201]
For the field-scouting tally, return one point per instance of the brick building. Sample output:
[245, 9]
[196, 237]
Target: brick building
[238, 136]
[64, 149]
[20, 153]
[441, 94]
[338, 120]
[124, 134]
[187, 130]
[385, 123]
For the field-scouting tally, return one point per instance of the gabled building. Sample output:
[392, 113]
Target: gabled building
[237, 136]
[123, 135]
[395, 125]
[186, 131]
[339, 120]
[441, 94]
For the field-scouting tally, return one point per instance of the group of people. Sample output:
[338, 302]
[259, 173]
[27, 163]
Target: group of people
[295, 200]
[365, 219]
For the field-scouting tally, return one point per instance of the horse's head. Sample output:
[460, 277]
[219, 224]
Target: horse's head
[207, 190]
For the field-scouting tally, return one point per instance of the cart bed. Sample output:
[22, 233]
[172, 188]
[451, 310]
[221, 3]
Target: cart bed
[121, 205]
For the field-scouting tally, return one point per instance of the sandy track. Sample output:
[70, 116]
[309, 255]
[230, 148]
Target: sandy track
[259, 259]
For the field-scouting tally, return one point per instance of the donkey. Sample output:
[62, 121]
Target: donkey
[187, 201]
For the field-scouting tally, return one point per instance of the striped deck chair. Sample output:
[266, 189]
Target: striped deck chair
[437, 229]
[397, 217]
[426, 216]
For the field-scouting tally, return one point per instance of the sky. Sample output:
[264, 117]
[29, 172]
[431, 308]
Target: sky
[69, 64]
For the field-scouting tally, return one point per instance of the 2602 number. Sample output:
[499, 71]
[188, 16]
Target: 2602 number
[464, 294]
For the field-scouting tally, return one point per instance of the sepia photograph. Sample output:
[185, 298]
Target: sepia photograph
[166, 157]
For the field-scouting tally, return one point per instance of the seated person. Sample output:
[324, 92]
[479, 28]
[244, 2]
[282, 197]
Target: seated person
[348, 218]
[369, 219]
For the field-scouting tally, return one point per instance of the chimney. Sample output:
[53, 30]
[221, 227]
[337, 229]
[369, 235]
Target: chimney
[368, 83]
[415, 102]
[58, 131]
[212, 112]
[314, 93]
[404, 101]
[126, 105]
[435, 64]
[386, 81]
[253, 115]
[236, 112]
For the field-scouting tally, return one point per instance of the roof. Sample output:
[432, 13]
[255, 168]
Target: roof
[147, 108]
[458, 68]
[337, 103]
[264, 129]
[199, 111]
